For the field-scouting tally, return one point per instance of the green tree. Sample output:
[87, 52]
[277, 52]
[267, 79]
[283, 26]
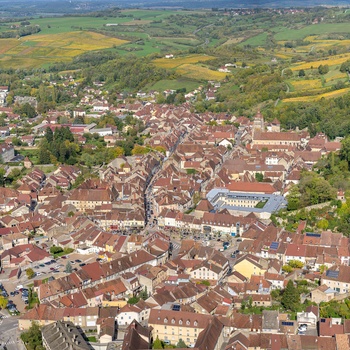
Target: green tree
[323, 224]
[157, 344]
[49, 135]
[133, 300]
[68, 267]
[301, 73]
[287, 269]
[2, 176]
[323, 69]
[55, 250]
[3, 302]
[33, 338]
[323, 268]
[293, 198]
[181, 344]
[295, 264]
[259, 177]
[345, 67]
[30, 273]
[345, 149]
[144, 294]
[290, 297]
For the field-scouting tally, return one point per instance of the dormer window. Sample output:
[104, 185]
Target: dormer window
[180, 322]
[195, 323]
[165, 320]
[173, 320]
[188, 322]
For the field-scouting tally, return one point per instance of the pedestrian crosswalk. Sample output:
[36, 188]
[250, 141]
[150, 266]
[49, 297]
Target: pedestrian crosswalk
[176, 246]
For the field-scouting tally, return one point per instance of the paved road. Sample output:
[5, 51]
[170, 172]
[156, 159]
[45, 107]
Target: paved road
[8, 333]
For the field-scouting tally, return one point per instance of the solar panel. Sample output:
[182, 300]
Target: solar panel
[287, 323]
[332, 274]
[312, 234]
[176, 307]
[274, 245]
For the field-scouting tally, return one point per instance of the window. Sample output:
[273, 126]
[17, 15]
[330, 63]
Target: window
[165, 320]
[173, 320]
[180, 322]
[188, 322]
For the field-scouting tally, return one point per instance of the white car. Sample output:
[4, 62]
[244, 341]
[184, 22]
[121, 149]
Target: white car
[302, 328]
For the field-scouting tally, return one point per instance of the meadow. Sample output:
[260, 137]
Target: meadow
[314, 29]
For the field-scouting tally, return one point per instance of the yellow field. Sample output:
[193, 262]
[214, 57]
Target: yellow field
[281, 55]
[178, 61]
[34, 50]
[300, 85]
[326, 95]
[7, 44]
[200, 73]
[85, 41]
[334, 60]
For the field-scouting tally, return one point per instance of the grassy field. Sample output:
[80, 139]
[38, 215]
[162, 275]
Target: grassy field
[36, 50]
[314, 29]
[174, 85]
[257, 40]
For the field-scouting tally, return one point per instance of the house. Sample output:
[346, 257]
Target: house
[106, 329]
[270, 321]
[337, 278]
[249, 265]
[323, 293]
[169, 325]
[212, 337]
[329, 327]
[137, 337]
[7, 152]
[60, 332]
[309, 316]
[128, 314]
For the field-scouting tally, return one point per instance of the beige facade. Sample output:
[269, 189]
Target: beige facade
[172, 326]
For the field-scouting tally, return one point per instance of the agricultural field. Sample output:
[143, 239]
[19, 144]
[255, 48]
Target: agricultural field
[330, 61]
[36, 50]
[189, 67]
[326, 95]
[170, 63]
[199, 72]
[302, 85]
